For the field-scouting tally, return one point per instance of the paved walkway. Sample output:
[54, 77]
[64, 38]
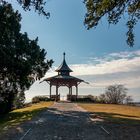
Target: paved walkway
[61, 121]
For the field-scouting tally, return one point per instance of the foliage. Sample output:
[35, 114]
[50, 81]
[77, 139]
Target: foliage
[19, 100]
[102, 98]
[113, 10]
[22, 61]
[38, 99]
[128, 100]
[37, 5]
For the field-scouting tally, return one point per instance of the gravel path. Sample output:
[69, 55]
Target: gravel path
[64, 121]
[61, 121]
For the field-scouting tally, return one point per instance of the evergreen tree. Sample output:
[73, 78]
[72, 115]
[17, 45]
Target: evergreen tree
[22, 61]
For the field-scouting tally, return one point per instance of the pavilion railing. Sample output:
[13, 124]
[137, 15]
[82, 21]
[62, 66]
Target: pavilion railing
[55, 97]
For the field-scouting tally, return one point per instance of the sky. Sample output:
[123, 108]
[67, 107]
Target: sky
[99, 56]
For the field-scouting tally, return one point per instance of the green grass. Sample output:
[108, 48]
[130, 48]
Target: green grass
[113, 113]
[20, 115]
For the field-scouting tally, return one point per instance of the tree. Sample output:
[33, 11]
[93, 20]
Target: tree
[37, 5]
[102, 98]
[128, 100]
[22, 61]
[115, 94]
[113, 10]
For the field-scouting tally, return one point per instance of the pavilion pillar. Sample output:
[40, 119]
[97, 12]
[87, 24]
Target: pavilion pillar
[76, 91]
[50, 90]
[70, 92]
[56, 99]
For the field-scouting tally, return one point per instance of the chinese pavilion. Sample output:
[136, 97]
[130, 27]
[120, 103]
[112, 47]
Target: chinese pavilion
[63, 78]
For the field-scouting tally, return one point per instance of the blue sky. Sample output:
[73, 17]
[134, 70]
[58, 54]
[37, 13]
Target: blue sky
[100, 56]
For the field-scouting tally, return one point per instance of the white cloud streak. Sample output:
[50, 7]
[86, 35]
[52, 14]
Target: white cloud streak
[114, 66]
[131, 82]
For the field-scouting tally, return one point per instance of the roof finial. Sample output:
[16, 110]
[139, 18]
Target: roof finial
[64, 55]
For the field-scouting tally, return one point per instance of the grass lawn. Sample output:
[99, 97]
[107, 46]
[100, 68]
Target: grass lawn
[17, 116]
[114, 113]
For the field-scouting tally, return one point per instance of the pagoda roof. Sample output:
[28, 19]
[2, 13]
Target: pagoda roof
[63, 66]
[63, 77]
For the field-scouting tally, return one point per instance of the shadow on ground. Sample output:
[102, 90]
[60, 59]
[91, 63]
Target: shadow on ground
[64, 121]
[116, 118]
[15, 118]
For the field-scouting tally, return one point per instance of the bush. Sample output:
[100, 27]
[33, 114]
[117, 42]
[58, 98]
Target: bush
[102, 99]
[38, 99]
[87, 98]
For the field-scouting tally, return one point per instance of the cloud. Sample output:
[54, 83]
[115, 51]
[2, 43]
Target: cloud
[114, 56]
[128, 82]
[50, 72]
[114, 66]
[125, 54]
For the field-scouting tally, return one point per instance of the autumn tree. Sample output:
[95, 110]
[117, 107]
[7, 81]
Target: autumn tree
[22, 61]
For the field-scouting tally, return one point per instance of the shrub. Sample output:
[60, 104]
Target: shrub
[84, 98]
[38, 99]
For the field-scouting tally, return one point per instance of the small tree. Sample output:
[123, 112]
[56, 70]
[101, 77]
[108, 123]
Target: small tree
[102, 98]
[115, 94]
[128, 100]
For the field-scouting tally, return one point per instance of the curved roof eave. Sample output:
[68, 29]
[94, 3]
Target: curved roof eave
[63, 77]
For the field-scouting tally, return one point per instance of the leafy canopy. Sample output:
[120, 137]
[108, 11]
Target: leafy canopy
[37, 5]
[22, 61]
[113, 10]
